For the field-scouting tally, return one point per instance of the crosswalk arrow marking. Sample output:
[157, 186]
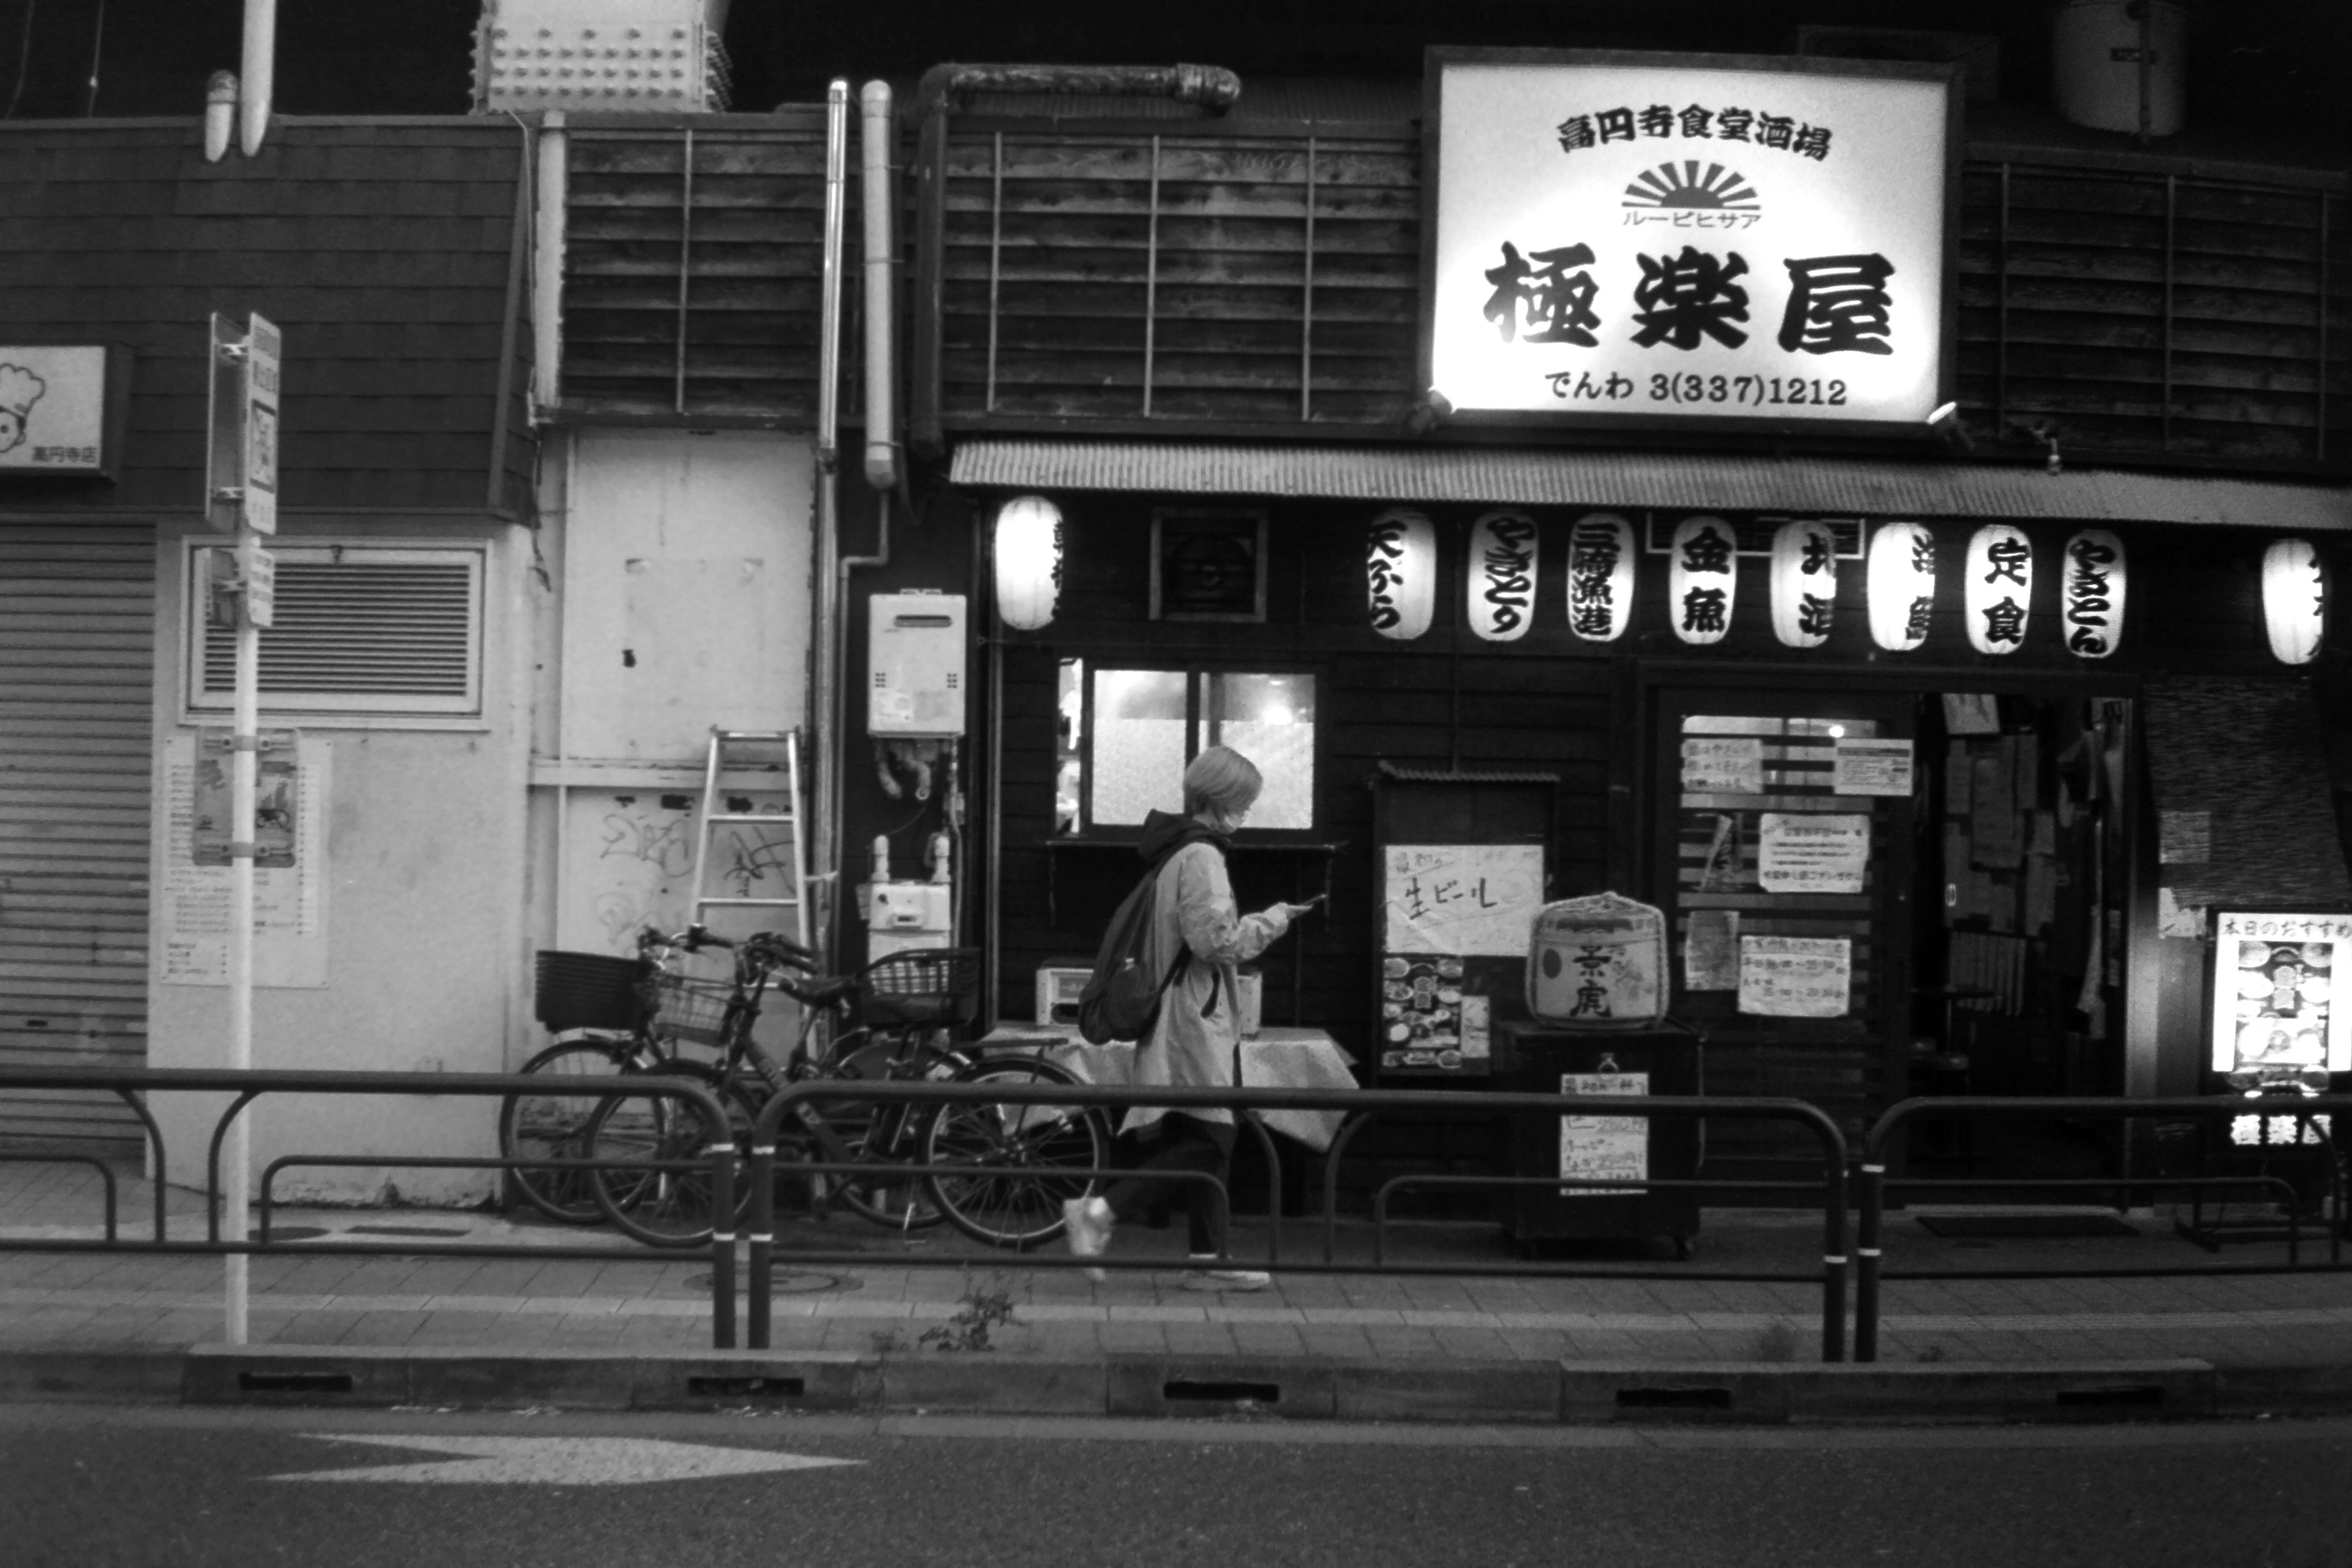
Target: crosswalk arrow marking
[558, 1462]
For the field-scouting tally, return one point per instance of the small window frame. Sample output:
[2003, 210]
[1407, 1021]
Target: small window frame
[1195, 676]
[1245, 520]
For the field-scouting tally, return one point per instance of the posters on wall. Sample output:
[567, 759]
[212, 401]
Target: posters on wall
[1711, 950]
[1427, 1020]
[1462, 899]
[289, 903]
[1796, 977]
[1605, 1148]
[1722, 764]
[2275, 1024]
[1870, 767]
[1811, 852]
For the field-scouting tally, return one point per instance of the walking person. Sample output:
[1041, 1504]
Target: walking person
[1196, 1040]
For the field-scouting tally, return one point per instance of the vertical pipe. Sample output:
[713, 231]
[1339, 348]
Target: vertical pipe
[2327, 200]
[2171, 213]
[763, 1243]
[1833, 1258]
[685, 259]
[824, 681]
[722, 1241]
[256, 73]
[1152, 279]
[547, 264]
[881, 300]
[995, 260]
[1306, 302]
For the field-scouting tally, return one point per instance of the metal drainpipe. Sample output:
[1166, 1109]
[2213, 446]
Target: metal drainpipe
[826, 518]
[546, 262]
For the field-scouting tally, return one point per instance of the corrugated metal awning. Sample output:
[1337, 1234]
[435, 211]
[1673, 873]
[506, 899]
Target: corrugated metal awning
[1695, 482]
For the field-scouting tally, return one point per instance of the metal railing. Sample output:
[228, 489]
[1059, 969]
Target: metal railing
[245, 1087]
[1870, 1183]
[796, 1100]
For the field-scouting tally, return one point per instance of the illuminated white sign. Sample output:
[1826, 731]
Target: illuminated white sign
[1804, 583]
[1599, 576]
[2094, 593]
[1400, 574]
[2276, 1027]
[2000, 588]
[53, 409]
[1902, 585]
[1502, 575]
[1632, 236]
[1703, 579]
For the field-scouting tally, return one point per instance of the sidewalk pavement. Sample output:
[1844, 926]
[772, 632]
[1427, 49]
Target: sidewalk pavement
[882, 1302]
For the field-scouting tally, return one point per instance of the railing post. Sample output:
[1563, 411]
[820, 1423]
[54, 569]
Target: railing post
[722, 1241]
[1872, 1195]
[764, 1235]
[1834, 1260]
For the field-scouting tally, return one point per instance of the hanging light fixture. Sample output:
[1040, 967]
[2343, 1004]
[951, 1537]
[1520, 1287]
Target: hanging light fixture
[2295, 600]
[1502, 575]
[2091, 593]
[1902, 585]
[1999, 583]
[1804, 583]
[1028, 561]
[1400, 574]
[1703, 579]
[1599, 576]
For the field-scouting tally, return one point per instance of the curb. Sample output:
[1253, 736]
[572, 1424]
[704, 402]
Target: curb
[1579, 1393]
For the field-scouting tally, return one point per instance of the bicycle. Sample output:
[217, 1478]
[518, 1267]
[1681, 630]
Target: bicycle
[668, 1201]
[596, 1006]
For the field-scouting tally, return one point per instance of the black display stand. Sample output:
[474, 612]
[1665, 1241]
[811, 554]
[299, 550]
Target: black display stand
[1530, 1058]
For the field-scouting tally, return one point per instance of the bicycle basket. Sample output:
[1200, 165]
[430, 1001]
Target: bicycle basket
[586, 991]
[927, 985]
[685, 1008]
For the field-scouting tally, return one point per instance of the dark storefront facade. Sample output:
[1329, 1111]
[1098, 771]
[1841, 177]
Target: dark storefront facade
[1196, 343]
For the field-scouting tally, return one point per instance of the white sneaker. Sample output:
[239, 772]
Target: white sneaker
[1087, 1224]
[1201, 1279]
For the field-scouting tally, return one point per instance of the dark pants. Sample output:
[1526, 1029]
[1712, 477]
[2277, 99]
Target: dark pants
[1185, 1143]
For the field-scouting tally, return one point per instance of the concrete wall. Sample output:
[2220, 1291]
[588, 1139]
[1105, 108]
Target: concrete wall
[421, 905]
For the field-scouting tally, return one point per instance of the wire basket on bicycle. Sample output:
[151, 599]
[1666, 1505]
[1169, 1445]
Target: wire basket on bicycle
[921, 985]
[683, 1008]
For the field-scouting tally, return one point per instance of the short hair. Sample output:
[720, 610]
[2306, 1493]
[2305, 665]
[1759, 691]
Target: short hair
[1223, 779]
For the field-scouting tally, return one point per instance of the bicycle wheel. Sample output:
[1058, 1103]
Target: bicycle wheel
[887, 1132]
[664, 1208]
[1017, 1160]
[555, 1127]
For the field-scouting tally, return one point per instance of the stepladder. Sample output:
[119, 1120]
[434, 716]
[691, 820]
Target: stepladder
[751, 850]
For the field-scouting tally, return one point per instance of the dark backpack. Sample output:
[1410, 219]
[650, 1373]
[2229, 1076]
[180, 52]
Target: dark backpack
[1121, 1000]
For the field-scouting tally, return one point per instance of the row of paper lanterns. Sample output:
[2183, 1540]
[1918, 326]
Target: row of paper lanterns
[1400, 571]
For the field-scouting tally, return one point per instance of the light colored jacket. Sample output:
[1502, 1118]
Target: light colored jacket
[1193, 905]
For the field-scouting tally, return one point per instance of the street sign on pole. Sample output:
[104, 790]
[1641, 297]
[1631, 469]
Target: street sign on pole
[262, 348]
[225, 428]
[258, 569]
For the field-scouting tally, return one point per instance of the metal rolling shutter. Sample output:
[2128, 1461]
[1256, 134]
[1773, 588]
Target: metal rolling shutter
[76, 660]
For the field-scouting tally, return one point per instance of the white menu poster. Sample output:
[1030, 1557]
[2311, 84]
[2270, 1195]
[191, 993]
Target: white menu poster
[289, 903]
[1603, 1148]
[1811, 852]
[1722, 764]
[1796, 977]
[1463, 899]
[1870, 767]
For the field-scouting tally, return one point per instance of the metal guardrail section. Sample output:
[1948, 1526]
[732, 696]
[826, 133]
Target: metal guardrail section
[797, 1099]
[248, 1086]
[1871, 1182]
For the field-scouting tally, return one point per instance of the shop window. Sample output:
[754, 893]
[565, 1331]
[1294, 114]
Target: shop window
[1126, 735]
[362, 631]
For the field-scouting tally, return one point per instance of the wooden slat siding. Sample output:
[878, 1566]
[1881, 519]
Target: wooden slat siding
[1075, 262]
[754, 259]
[2065, 318]
[2084, 286]
[382, 249]
[76, 618]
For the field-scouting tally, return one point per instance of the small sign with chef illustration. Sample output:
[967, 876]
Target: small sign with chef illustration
[54, 405]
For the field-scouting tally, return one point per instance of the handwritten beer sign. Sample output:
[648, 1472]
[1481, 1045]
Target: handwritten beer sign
[1651, 237]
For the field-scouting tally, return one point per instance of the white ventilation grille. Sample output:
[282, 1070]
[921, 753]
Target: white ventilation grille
[364, 631]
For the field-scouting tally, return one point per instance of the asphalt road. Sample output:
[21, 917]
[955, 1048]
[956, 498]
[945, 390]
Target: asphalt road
[91, 1487]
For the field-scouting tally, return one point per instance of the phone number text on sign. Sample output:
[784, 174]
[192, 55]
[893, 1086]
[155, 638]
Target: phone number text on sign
[1796, 977]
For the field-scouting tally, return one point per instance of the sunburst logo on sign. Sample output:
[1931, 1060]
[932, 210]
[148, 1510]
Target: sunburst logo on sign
[1717, 190]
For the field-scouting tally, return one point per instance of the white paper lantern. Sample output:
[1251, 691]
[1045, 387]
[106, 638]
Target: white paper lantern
[1703, 579]
[1601, 576]
[2295, 600]
[1502, 575]
[2000, 588]
[1804, 583]
[1400, 574]
[1028, 561]
[2091, 593]
[1902, 585]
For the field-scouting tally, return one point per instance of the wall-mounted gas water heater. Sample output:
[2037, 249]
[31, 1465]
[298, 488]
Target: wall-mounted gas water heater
[915, 712]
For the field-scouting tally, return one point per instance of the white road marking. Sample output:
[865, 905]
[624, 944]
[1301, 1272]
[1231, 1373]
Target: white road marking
[558, 1462]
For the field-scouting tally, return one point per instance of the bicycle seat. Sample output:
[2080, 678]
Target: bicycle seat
[820, 992]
